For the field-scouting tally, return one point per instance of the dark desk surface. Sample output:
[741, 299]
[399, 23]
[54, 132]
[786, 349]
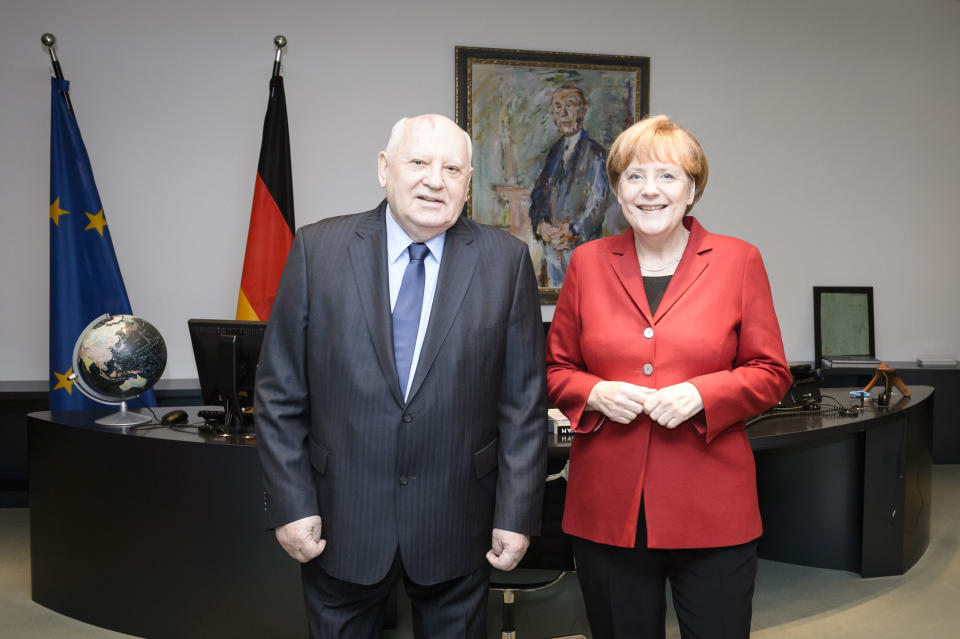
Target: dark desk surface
[187, 433]
[786, 430]
[808, 426]
[774, 432]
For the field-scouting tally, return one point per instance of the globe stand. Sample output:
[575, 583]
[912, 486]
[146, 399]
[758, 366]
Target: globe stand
[124, 418]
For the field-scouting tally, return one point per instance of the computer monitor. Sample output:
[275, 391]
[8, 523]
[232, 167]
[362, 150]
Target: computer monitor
[227, 353]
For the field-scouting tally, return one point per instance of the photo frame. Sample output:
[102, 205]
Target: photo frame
[843, 322]
[542, 123]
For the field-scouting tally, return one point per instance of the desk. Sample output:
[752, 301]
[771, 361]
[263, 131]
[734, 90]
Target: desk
[155, 533]
[159, 533]
[19, 398]
[849, 493]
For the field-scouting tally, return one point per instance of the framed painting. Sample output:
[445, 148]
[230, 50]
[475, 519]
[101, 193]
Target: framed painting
[542, 123]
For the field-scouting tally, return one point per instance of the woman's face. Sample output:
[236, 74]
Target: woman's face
[654, 197]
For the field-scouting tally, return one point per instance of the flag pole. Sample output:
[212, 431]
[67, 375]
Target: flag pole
[280, 42]
[49, 40]
[271, 229]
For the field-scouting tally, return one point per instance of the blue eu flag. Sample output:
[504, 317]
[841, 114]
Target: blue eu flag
[85, 280]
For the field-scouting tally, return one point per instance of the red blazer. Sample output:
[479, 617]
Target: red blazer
[716, 328]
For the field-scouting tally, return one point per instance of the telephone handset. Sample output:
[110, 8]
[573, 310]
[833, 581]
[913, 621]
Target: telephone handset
[805, 389]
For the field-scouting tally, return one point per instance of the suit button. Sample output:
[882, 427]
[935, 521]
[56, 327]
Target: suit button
[406, 419]
[403, 480]
[648, 332]
[648, 369]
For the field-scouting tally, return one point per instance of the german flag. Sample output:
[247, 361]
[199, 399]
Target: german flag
[271, 218]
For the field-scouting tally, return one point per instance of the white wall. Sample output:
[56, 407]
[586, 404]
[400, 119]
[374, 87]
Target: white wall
[831, 127]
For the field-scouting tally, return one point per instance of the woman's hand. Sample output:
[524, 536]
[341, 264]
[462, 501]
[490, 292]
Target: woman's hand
[672, 405]
[619, 401]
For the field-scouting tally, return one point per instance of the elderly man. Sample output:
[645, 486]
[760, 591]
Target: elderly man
[569, 199]
[400, 411]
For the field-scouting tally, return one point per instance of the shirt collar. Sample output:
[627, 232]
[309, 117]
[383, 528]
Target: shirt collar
[571, 140]
[398, 241]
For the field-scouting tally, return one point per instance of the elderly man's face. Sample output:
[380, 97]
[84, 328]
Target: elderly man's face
[426, 176]
[568, 111]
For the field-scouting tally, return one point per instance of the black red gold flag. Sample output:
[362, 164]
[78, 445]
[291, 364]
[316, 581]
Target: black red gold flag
[271, 218]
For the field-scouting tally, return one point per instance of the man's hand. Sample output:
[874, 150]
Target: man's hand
[673, 405]
[508, 549]
[301, 538]
[619, 401]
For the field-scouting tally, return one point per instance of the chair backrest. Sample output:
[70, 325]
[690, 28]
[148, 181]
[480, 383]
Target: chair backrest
[551, 549]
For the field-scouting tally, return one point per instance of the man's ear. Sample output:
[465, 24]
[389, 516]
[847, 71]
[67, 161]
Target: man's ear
[382, 168]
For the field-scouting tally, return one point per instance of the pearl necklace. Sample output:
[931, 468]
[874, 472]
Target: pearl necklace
[662, 267]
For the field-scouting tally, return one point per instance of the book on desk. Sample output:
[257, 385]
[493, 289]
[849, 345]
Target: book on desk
[559, 423]
[849, 361]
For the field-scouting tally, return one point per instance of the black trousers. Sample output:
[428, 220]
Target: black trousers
[624, 589]
[454, 609]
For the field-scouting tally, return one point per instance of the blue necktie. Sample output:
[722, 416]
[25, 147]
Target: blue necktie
[406, 312]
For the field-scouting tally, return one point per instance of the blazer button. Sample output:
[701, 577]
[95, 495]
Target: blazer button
[648, 332]
[648, 369]
[403, 480]
[406, 419]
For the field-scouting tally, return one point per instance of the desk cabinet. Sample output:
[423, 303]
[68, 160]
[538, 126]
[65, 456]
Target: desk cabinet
[155, 533]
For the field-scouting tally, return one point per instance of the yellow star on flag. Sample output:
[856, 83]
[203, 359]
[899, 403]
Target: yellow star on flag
[64, 381]
[96, 222]
[56, 212]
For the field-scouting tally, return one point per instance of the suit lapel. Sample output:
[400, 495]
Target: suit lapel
[457, 267]
[623, 259]
[696, 258]
[368, 259]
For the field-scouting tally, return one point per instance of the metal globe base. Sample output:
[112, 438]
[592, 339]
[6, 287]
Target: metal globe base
[124, 418]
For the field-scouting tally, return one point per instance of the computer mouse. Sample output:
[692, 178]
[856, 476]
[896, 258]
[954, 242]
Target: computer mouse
[177, 416]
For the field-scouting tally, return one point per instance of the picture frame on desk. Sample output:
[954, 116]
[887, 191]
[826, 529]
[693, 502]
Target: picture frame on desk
[520, 106]
[843, 328]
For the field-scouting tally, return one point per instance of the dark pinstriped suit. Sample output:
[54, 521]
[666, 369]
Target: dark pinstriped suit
[466, 452]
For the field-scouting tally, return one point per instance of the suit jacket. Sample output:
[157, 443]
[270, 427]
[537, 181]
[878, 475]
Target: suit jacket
[575, 192]
[431, 475]
[716, 328]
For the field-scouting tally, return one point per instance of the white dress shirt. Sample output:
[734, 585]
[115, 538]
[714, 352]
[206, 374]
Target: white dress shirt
[570, 145]
[397, 260]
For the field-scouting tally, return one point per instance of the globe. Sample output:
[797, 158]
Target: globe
[118, 357]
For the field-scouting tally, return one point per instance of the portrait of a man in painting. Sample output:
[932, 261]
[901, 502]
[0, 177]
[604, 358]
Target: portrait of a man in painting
[541, 130]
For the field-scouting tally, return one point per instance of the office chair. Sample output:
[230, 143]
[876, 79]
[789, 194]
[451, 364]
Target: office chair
[549, 553]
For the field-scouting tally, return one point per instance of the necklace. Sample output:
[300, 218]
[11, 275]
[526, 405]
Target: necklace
[662, 267]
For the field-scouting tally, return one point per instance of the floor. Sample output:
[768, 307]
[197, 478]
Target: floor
[791, 602]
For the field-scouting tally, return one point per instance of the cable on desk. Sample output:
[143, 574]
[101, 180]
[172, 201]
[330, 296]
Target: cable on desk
[812, 408]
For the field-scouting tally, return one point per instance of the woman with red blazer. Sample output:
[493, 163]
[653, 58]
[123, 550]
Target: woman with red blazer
[663, 341]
